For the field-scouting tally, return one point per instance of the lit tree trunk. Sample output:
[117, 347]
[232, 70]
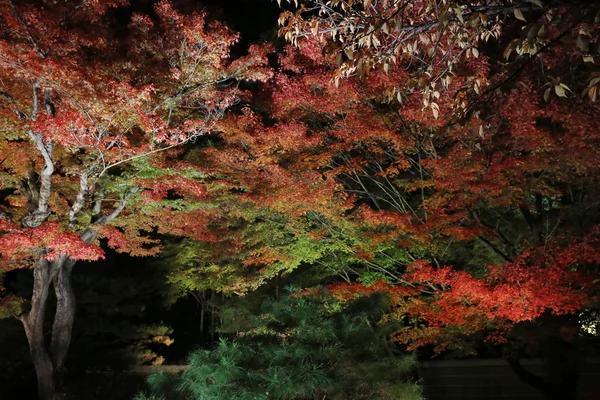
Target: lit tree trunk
[62, 328]
[63, 321]
[33, 322]
[49, 366]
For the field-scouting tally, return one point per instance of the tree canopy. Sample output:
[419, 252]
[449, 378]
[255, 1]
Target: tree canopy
[443, 153]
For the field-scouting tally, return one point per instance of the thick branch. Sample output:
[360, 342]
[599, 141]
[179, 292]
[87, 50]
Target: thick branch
[38, 216]
[35, 102]
[80, 199]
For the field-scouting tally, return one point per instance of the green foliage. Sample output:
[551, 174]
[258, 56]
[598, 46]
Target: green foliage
[254, 246]
[10, 306]
[298, 348]
[370, 278]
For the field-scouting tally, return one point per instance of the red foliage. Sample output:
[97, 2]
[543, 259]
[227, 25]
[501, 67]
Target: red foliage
[49, 240]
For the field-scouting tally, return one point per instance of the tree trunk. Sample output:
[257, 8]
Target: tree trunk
[33, 322]
[202, 311]
[49, 365]
[562, 373]
[63, 320]
[212, 316]
[563, 367]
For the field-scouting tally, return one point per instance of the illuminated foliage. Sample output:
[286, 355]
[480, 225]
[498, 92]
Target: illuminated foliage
[298, 348]
[478, 214]
[437, 42]
[84, 102]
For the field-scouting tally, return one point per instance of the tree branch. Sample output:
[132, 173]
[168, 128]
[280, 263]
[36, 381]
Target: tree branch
[80, 199]
[35, 102]
[496, 250]
[39, 215]
[27, 32]
[107, 218]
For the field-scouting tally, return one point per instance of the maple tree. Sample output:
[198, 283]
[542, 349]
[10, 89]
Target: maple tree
[499, 155]
[440, 151]
[497, 180]
[88, 92]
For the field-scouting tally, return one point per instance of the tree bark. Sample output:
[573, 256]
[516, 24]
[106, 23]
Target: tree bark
[63, 320]
[49, 365]
[33, 322]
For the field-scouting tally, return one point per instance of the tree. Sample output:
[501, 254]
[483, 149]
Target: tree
[483, 221]
[88, 92]
[298, 348]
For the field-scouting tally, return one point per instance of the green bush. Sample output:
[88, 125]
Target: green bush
[299, 348]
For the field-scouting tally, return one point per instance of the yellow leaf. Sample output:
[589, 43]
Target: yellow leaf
[593, 93]
[583, 42]
[547, 94]
[459, 15]
[519, 15]
[566, 87]
[593, 82]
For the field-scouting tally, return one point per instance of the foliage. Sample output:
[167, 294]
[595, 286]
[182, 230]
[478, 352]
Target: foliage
[97, 100]
[480, 216]
[86, 136]
[297, 349]
[440, 42]
[492, 194]
[251, 244]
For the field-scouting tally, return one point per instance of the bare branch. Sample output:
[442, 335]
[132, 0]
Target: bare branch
[496, 250]
[27, 32]
[107, 218]
[35, 102]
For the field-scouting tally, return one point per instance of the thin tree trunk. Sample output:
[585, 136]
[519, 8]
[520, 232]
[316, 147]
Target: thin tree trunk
[63, 320]
[212, 316]
[202, 311]
[33, 322]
